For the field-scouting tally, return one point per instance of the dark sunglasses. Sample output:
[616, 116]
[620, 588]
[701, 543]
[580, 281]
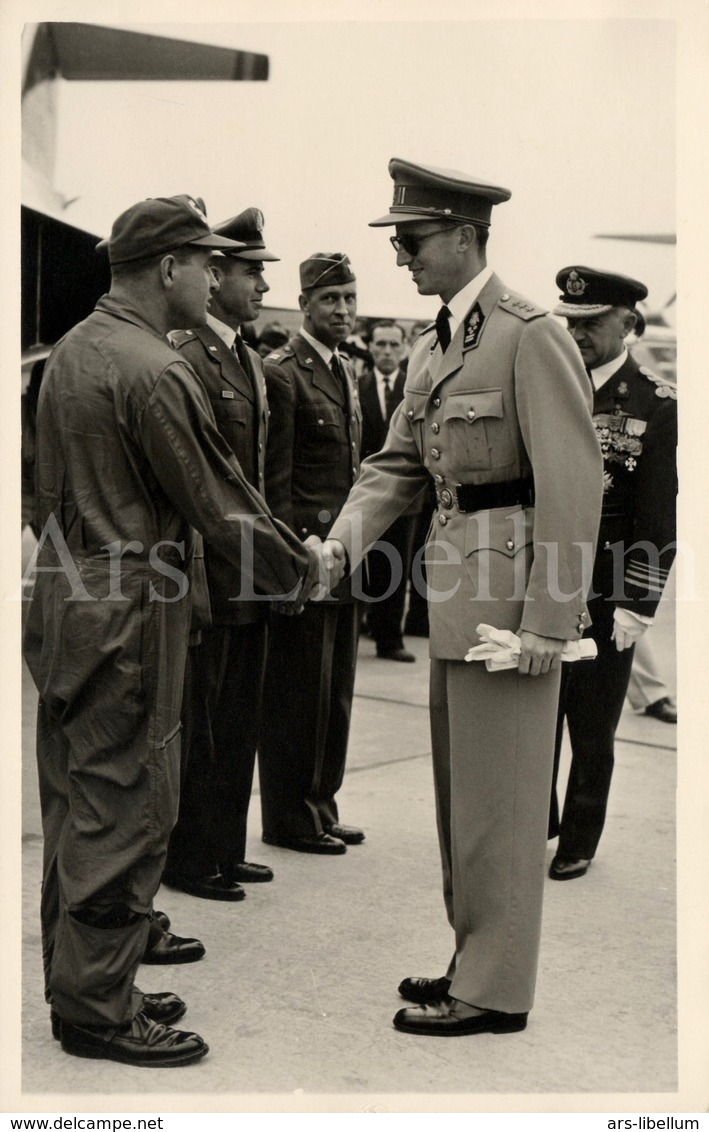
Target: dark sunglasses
[411, 243]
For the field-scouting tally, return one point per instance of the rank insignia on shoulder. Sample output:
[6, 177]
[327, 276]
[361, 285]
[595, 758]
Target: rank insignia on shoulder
[274, 356]
[664, 388]
[473, 327]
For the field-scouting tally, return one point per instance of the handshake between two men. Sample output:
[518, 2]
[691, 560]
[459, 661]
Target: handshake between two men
[326, 569]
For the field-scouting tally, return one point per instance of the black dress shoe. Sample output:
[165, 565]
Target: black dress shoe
[140, 1042]
[424, 990]
[162, 920]
[169, 948]
[314, 843]
[162, 1007]
[208, 888]
[664, 710]
[402, 654]
[441, 1019]
[568, 870]
[247, 873]
[347, 833]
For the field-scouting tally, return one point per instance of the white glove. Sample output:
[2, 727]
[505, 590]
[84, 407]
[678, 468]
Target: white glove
[628, 627]
[500, 648]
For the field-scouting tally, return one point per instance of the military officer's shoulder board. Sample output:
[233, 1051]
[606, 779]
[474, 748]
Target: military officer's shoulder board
[664, 388]
[179, 338]
[519, 305]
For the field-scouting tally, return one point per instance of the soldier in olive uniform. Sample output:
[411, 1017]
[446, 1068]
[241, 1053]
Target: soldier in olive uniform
[311, 464]
[496, 411]
[635, 416]
[225, 670]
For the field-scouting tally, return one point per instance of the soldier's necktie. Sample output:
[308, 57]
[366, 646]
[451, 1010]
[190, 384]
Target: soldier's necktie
[388, 399]
[443, 329]
[339, 373]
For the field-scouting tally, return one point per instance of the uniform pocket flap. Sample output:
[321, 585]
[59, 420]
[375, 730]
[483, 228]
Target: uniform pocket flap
[470, 405]
[503, 530]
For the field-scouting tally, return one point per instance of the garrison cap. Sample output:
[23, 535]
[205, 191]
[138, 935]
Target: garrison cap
[422, 192]
[247, 228]
[160, 225]
[588, 292]
[325, 269]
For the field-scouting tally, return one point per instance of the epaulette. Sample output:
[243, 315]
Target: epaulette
[279, 355]
[517, 304]
[178, 338]
[664, 388]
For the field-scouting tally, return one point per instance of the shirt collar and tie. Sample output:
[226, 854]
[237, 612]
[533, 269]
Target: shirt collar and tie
[450, 316]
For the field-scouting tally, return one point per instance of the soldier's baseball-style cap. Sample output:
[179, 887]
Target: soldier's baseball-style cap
[325, 269]
[423, 192]
[159, 225]
[247, 228]
[588, 292]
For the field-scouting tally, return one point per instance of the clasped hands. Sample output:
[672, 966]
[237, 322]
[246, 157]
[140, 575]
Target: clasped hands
[326, 568]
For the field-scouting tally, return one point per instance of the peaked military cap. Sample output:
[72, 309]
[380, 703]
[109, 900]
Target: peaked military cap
[422, 192]
[160, 224]
[247, 228]
[325, 269]
[587, 291]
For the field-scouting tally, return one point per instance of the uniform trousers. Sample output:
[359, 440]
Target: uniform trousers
[492, 742]
[308, 693]
[591, 701]
[108, 760]
[385, 614]
[221, 714]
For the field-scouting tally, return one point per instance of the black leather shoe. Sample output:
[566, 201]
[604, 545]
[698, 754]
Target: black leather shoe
[441, 1019]
[568, 870]
[664, 710]
[402, 654]
[247, 873]
[169, 948]
[162, 1007]
[315, 843]
[162, 920]
[424, 990]
[208, 888]
[140, 1042]
[347, 833]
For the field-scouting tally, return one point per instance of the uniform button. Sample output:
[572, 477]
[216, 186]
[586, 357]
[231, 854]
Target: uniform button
[442, 519]
[439, 479]
[435, 427]
[260, 447]
[437, 402]
[447, 497]
[410, 414]
[435, 453]
[510, 544]
[321, 421]
[606, 545]
[504, 298]
[471, 414]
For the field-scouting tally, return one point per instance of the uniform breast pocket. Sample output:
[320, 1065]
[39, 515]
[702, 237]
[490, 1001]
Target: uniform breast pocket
[229, 412]
[476, 430]
[319, 435]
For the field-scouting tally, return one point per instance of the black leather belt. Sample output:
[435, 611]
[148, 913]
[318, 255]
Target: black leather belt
[469, 497]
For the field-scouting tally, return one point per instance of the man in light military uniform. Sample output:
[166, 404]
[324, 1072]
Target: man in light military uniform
[224, 684]
[312, 462]
[635, 415]
[496, 410]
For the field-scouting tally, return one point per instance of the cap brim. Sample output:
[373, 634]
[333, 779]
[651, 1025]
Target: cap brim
[257, 254]
[403, 218]
[578, 310]
[216, 242]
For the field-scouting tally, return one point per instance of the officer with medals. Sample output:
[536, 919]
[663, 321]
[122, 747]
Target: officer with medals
[635, 416]
[496, 413]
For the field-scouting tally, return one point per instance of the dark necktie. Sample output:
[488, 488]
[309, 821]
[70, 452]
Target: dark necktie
[239, 350]
[443, 329]
[339, 373]
[388, 399]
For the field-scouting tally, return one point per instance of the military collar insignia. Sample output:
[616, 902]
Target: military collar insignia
[473, 328]
[622, 391]
[575, 285]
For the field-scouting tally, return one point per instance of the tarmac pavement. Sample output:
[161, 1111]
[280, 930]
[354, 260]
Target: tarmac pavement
[298, 988]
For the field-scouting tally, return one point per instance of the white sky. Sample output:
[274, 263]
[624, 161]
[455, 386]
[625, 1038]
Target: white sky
[576, 117]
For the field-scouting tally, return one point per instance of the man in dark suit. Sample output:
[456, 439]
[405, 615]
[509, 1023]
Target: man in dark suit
[225, 670]
[311, 464]
[381, 388]
[496, 413]
[635, 416]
